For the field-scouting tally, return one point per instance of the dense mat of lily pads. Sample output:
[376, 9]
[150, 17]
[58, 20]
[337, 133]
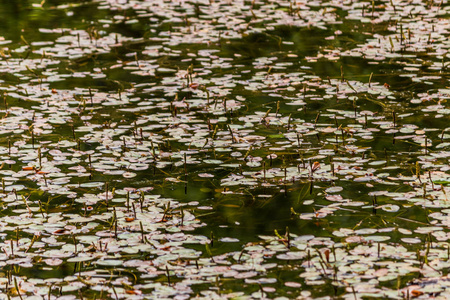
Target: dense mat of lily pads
[225, 149]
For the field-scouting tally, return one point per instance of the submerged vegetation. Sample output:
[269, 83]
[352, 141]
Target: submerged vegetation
[224, 149]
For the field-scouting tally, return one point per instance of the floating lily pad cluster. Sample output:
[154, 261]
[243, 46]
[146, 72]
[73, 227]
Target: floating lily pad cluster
[226, 149]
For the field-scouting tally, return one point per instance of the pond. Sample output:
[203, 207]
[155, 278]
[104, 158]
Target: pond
[218, 149]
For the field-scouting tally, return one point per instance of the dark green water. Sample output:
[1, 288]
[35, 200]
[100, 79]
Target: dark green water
[224, 149]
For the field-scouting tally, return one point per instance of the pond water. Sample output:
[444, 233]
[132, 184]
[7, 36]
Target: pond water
[217, 149]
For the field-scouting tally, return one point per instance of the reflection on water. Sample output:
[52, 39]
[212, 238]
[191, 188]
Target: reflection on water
[172, 149]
